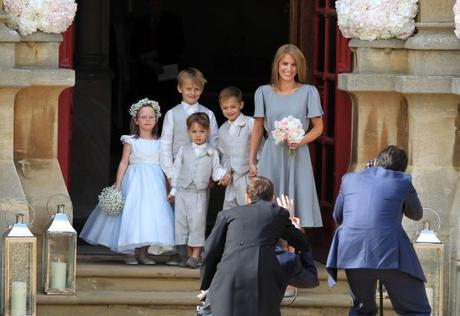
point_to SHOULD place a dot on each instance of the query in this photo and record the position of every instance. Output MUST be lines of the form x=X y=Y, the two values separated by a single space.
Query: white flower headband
x=134 y=109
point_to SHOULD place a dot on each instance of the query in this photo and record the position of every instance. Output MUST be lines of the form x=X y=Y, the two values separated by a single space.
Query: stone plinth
x=38 y=50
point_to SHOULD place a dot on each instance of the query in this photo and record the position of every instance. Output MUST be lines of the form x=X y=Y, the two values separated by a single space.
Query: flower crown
x=134 y=109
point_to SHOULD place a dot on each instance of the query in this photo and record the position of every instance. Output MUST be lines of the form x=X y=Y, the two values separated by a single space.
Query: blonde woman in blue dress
x=147 y=218
x=288 y=95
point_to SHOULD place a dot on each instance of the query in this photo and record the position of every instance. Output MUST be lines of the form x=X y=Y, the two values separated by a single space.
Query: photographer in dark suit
x=371 y=244
x=240 y=267
x=299 y=270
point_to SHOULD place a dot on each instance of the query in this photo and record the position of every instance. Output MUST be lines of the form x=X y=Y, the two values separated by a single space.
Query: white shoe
x=131 y=260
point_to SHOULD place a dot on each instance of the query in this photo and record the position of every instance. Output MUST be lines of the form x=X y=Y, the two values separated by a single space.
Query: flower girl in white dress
x=147 y=217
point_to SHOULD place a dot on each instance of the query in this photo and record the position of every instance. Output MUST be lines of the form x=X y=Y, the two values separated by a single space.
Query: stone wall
x=30 y=84
x=407 y=93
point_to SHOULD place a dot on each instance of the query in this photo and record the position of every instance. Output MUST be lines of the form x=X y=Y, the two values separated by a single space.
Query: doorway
x=130 y=49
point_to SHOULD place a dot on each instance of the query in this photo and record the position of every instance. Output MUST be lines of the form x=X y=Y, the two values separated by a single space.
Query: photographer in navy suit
x=371 y=244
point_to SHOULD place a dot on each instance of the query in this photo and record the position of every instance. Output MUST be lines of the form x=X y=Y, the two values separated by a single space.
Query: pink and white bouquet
x=288 y=130
x=376 y=19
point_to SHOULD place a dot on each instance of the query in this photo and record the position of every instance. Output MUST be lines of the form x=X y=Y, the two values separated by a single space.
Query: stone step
x=106 y=286
x=117 y=277
x=177 y=303
x=113 y=276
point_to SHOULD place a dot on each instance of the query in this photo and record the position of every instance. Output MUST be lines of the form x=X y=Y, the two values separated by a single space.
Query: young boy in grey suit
x=233 y=140
x=196 y=163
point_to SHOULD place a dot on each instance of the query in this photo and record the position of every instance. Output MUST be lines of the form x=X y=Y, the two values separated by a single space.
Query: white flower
x=50 y=16
x=111 y=201
x=210 y=152
x=145 y=102
x=29 y=20
x=15 y=7
x=59 y=15
x=376 y=19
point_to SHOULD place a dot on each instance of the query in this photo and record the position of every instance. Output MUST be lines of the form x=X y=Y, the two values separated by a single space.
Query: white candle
x=18 y=298
x=58 y=275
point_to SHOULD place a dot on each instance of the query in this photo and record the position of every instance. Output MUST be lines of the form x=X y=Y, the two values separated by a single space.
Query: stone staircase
x=106 y=286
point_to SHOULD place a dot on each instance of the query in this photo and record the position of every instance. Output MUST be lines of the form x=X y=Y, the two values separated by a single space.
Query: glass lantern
x=20 y=264
x=60 y=255
x=430 y=252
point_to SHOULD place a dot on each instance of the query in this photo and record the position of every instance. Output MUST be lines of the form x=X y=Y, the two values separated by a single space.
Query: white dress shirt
x=167 y=136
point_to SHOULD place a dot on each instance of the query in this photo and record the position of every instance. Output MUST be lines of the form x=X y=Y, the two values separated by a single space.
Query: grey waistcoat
x=180 y=127
x=236 y=147
x=195 y=169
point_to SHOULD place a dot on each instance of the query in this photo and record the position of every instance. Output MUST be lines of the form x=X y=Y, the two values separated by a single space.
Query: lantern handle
x=19 y=218
x=19 y=215
x=425 y=219
x=59 y=203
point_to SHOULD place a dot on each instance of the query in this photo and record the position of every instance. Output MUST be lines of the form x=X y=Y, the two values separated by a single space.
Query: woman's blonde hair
x=301 y=63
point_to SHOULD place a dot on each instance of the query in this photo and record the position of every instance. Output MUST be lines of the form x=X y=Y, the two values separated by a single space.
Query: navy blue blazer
x=299 y=269
x=369 y=208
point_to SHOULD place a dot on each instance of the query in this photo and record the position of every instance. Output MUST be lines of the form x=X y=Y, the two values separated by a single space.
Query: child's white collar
x=185 y=105
x=239 y=121
x=202 y=146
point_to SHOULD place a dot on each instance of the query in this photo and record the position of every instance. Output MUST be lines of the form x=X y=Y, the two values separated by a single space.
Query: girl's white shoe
x=145 y=260
x=129 y=259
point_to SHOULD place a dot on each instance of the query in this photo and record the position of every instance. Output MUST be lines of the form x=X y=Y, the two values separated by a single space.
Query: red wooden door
x=331 y=152
x=65 y=108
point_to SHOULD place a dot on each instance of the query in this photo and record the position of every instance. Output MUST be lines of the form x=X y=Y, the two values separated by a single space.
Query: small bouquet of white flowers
x=289 y=130
x=111 y=201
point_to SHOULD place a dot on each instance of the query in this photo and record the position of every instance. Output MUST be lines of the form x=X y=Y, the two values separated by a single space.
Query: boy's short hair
x=393 y=158
x=200 y=118
x=231 y=92
x=260 y=188
x=193 y=74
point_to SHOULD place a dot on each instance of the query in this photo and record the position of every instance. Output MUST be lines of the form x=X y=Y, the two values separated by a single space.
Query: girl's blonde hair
x=301 y=63
x=134 y=128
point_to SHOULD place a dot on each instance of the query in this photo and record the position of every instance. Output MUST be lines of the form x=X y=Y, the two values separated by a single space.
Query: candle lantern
x=20 y=264
x=60 y=255
x=430 y=251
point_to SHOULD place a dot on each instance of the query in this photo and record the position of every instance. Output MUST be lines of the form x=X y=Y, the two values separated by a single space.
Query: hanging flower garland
x=49 y=16
x=376 y=19
x=457 y=18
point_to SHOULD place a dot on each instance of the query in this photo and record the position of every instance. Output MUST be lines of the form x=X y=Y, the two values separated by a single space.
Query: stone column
x=12 y=196
x=407 y=93
x=35 y=122
x=379 y=110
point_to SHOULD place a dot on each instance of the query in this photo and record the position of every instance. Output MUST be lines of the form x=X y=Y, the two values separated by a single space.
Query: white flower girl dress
x=147 y=218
